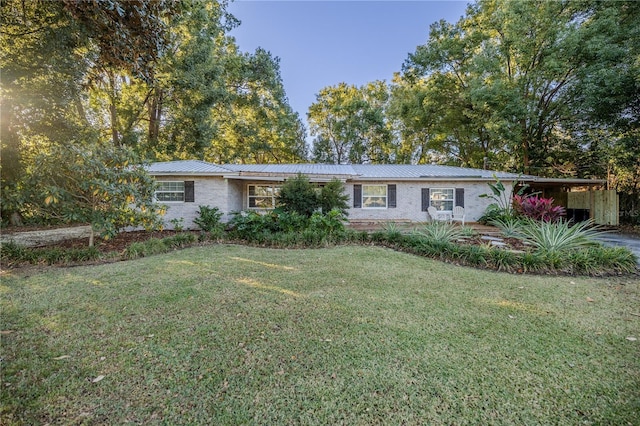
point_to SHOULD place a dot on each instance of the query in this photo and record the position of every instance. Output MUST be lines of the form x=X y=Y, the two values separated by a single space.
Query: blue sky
x=323 y=43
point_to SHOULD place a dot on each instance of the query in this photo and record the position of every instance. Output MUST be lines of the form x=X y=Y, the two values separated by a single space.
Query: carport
x=583 y=198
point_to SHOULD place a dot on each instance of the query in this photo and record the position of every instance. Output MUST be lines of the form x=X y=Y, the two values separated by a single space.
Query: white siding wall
x=409 y=201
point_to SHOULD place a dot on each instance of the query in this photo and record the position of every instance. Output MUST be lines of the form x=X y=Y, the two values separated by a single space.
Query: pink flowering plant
x=537 y=208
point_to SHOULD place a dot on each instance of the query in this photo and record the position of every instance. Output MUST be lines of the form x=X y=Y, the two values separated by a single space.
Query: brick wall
x=409 y=201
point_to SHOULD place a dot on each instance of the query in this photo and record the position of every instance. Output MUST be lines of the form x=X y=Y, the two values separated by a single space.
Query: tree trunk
x=155 y=115
x=525 y=148
x=113 y=111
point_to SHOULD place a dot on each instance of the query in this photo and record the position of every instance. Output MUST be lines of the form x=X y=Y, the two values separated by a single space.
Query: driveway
x=622 y=240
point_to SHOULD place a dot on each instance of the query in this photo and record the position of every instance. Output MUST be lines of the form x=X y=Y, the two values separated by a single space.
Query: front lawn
x=228 y=334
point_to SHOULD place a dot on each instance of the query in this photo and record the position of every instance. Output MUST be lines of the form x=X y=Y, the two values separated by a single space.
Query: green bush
x=209 y=219
x=602 y=260
x=493 y=213
x=314 y=237
x=178 y=224
x=298 y=195
x=179 y=240
x=12 y=251
x=284 y=221
x=158 y=246
x=333 y=196
x=246 y=224
x=503 y=260
x=331 y=224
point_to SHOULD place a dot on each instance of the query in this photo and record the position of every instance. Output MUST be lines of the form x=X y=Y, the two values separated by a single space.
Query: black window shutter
x=460 y=197
x=425 y=199
x=189 y=192
x=357 y=196
x=391 y=196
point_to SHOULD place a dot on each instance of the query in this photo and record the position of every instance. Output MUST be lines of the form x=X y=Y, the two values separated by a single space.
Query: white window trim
x=273 y=197
x=155 y=193
x=453 y=200
x=386 y=196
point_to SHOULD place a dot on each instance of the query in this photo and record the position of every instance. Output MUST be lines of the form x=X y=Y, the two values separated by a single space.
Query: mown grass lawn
x=350 y=335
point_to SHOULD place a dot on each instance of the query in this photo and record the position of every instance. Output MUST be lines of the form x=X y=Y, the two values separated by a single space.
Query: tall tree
x=350 y=124
x=511 y=67
x=256 y=125
x=47 y=52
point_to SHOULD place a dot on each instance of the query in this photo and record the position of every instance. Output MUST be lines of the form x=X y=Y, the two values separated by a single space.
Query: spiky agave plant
x=561 y=236
x=509 y=226
x=441 y=231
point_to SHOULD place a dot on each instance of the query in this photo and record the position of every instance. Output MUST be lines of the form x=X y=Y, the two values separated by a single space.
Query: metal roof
x=304 y=168
x=349 y=171
x=186 y=167
x=426 y=171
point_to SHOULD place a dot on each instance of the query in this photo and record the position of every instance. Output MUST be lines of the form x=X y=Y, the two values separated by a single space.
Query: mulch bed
x=117 y=244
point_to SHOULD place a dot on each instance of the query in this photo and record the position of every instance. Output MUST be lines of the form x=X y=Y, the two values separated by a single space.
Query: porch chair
x=458 y=214
x=434 y=214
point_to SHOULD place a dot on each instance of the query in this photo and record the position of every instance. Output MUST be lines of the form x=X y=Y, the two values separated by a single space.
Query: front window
x=442 y=199
x=263 y=196
x=170 y=191
x=374 y=196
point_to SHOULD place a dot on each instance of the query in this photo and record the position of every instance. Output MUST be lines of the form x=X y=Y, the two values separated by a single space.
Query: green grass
x=350 y=335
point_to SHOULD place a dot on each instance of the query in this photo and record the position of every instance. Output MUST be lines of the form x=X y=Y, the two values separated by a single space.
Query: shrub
x=475 y=255
x=468 y=232
x=492 y=213
x=179 y=240
x=284 y=221
x=355 y=236
x=209 y=219
x=503 y=260
x=298 y=195
x=247 y=224
x=178 y=224
x=12 y=251
x=537 y=208
x=332 y=196
x=158 y=246
x=331 y=224
x=314 y=237
x=602 y=260
x=531 y=262
x=502 y=198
